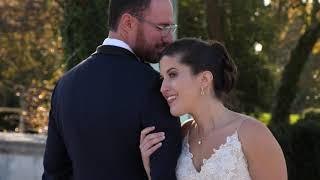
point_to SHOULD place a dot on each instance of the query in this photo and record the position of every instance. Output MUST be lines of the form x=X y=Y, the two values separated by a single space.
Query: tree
x=84 y=27
x=215 y=19
x=308 y=96
x=241 y=25
x=30 y=58
x=299 y=56
x=192 y=19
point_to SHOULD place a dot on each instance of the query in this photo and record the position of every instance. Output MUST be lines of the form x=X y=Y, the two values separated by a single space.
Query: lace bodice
x=226 y=163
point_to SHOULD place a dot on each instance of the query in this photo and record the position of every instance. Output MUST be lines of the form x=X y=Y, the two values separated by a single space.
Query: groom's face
x=150 y=40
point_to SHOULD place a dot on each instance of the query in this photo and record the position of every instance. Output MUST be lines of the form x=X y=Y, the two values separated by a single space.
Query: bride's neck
x=209 y=115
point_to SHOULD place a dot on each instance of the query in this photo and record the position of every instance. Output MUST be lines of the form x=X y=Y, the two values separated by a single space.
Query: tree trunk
x=291 y=74
x=214 y=11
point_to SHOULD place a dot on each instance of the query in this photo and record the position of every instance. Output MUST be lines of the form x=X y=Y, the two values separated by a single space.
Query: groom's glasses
x=164 y=29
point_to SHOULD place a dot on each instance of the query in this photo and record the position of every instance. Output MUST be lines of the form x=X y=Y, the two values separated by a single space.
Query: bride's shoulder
x=251 y=128
x=253 y=132
x=186 y=126
x=260 y=147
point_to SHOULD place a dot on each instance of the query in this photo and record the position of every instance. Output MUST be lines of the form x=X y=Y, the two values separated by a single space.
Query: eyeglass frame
x=164 y=29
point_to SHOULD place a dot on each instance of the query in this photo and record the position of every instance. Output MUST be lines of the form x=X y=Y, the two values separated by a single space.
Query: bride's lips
x=171 y=99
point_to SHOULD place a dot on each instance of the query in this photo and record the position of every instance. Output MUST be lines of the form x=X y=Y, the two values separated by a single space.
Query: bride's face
x=180 y=87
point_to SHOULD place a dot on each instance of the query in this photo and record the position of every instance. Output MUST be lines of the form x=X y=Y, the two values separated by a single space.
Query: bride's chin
x=175 y=113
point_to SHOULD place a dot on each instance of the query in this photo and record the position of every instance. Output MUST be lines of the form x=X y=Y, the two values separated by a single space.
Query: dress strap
x=237 y=129
x=241 y=123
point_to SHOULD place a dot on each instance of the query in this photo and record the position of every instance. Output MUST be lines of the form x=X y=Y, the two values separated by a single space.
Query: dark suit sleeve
x=163 y=162
x=57 y=164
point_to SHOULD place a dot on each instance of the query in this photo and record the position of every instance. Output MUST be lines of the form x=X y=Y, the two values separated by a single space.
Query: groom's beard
x=148 y=52
x=153 y=56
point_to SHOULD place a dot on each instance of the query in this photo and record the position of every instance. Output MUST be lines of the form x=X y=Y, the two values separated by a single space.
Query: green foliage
x=255 y=86
x=30 y=59
x=304 y=25
x=300 y=144
x=84 y=27
x=32 y=50
x=311 y=114
x=192 y=19
x=9 y=121
x=309 y=85
x=291 y=74
x=266 y=117
x=246 y=22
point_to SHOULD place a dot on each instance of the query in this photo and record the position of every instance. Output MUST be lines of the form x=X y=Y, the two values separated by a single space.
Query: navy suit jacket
x=98 y=110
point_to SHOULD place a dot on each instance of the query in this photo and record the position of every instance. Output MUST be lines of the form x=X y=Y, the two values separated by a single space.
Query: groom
x=99 y=107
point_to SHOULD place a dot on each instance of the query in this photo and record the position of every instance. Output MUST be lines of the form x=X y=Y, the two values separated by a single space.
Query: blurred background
x=275 y=44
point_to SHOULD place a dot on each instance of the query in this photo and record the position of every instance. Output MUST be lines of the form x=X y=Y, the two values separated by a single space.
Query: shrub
x=301 y=146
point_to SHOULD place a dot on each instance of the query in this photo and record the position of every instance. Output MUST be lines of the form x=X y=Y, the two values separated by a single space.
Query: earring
x=202 y=92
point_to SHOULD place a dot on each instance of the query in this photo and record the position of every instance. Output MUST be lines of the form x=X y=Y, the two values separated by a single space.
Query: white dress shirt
x=118 y=43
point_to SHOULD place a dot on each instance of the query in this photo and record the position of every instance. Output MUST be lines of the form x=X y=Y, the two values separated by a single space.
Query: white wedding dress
x=226 y=163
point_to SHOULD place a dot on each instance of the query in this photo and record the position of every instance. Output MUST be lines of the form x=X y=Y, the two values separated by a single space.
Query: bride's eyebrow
x=171 y=69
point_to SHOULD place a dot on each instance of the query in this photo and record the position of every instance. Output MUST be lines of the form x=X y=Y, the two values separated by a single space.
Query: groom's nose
x=168 y=38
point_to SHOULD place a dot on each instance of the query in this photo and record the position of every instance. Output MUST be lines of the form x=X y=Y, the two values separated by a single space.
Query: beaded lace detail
x=226 y=163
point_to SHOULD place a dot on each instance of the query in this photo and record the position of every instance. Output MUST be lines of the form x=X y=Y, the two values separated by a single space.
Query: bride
x=218 y=144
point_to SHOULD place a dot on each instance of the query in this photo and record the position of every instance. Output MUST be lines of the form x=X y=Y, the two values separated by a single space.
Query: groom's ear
x=127 y=22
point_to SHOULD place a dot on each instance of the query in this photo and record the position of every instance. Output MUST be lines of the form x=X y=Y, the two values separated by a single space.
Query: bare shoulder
x=185 y=127
x=253 y=131
x=261 y=150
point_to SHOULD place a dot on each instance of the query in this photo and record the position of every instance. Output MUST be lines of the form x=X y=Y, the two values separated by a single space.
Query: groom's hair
x=118 y=7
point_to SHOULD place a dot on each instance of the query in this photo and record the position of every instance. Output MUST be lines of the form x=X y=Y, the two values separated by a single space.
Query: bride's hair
x=206 y=56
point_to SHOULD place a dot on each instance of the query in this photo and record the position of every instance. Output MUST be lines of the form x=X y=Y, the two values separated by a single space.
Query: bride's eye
x=172 y=74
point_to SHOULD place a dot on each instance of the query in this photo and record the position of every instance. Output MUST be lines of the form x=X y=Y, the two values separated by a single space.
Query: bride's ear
x=206 y=78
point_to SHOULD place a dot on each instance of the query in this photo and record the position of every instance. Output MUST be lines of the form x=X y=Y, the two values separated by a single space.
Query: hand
x=149 y=143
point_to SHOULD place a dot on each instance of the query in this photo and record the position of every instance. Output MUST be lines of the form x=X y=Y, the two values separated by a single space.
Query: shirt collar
x=118 y=43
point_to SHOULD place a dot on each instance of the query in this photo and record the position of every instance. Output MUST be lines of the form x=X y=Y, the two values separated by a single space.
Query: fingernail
x=160 y=144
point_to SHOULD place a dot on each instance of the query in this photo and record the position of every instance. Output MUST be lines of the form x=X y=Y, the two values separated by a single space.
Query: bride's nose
x=164 y=87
